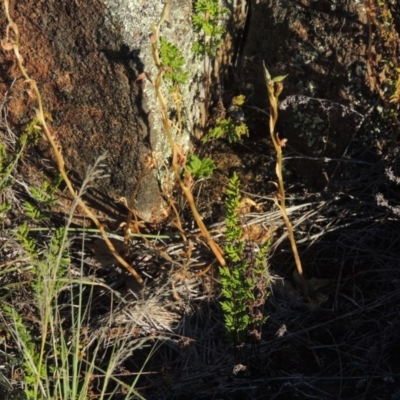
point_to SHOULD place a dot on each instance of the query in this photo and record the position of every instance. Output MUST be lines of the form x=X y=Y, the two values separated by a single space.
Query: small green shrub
x=173 y=61
x=206 y=18
x=244 y=279
x=9 y=158
x=43 y=199
x=200 y=168
x=229 y=128
x=233 y=126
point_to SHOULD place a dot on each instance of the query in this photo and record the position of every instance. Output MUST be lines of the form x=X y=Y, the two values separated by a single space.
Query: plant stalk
x=175 y=165
x=274 y=88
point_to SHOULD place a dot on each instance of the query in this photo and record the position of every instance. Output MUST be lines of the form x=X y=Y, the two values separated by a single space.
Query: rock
x=86 y=56
x=322 y=46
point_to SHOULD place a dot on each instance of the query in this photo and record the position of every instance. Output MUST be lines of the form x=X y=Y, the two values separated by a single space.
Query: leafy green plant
x=229 y=127
x=26 y=341
x=55 y=365
x=44 y=198
x=33 y=130
x=243 y=280
x=4 y=168
x=46 y=193
x=207 y=16
x=48 y=268
x=9 y=158
x=27 y=243
x=200 y=168
x=173 y=62
x=206 y=19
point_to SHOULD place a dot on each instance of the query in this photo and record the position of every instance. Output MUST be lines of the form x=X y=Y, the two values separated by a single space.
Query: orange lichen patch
x=20 y=102
x=247 y=205
x=64 y=83
x=300 y=30
x=257 y=233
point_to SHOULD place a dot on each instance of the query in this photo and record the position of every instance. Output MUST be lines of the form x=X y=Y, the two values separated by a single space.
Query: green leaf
x=206 y=21
x=279 y=78
x=232 y=130
x=4 y=207
x=27 y=243
x=226 y=307
x=239 y=100
x=229 y=322
x=226 y=293
x=32 y=211
x=171 y=57
x=200 y=168
x=267 y=75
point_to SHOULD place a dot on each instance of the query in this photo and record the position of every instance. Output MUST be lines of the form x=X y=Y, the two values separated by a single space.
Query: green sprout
x=231 y=127
x=200 y=168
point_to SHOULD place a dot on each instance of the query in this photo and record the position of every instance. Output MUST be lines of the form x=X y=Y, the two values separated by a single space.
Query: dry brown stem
x=274 y=89
x=175 y=164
